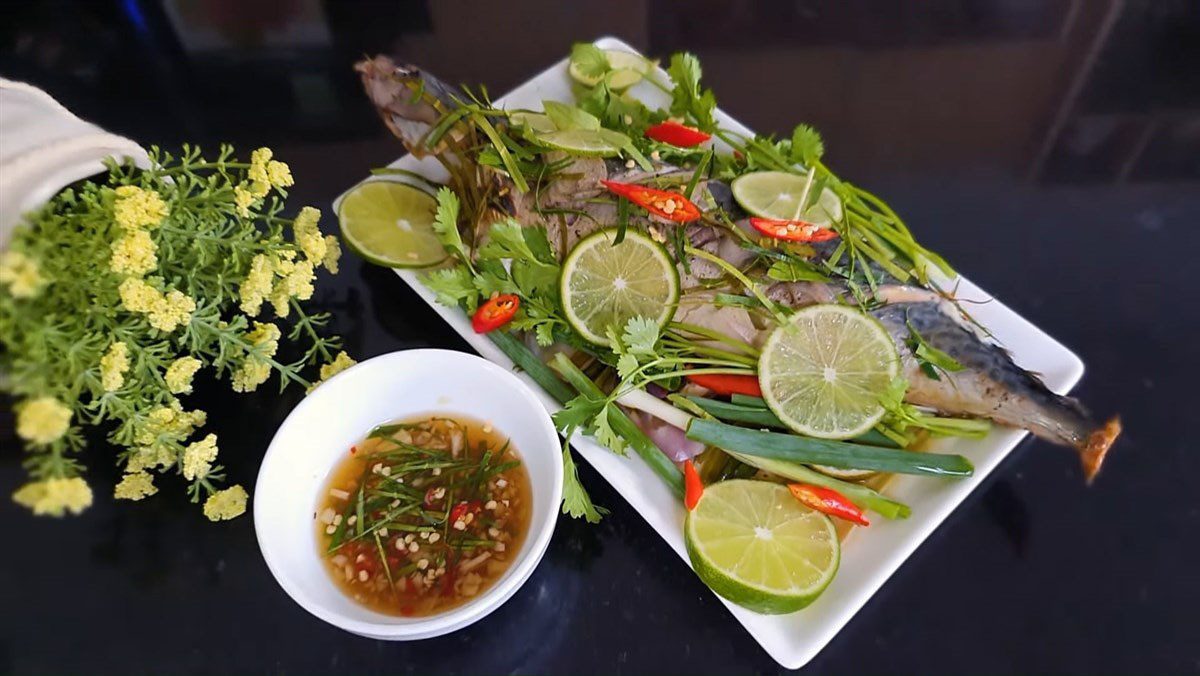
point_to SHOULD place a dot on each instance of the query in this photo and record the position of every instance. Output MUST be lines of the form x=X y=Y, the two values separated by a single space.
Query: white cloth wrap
x=44 y=148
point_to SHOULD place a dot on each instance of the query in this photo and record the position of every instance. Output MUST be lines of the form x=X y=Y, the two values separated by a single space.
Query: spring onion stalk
x=535 y=368
x=764 y=417
x=824 y=452
x=857 y=493
x=648 y=403
x=659 y=463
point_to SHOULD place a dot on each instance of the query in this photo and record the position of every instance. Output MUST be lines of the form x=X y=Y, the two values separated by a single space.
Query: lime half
x=756 y=545
x=824 y=371
x=606 y=285
x=592 y=142
x=776 y=194
x=391 y=224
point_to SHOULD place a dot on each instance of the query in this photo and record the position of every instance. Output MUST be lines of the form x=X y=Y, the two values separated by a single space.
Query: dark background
x=1050 y=149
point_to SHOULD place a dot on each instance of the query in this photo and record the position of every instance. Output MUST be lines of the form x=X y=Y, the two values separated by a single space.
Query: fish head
x=409 y=100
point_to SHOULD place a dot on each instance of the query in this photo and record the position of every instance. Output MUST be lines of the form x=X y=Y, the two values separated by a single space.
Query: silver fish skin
x=991 y=385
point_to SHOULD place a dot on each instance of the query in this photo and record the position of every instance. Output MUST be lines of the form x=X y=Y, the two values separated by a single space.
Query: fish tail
x=1094 y=449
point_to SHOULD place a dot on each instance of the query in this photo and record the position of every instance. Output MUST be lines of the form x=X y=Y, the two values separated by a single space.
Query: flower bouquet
x=119 y=290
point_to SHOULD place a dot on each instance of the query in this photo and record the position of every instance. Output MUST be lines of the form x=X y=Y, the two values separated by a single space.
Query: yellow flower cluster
x=257 y=285
x=265 y=173
x=198 y=457
x=179 y=374
x=135 y=486
x=20 y=274
x=55 y=497
x=340 y=363
x=165 y=312
x=134 y=254
x=296 y=281
x=137 y=208
x=243 y=199
x=226 y=504
x=43 y=420
x=308 y=235
x=160 y=433
x=256 y=368
x=113 y=366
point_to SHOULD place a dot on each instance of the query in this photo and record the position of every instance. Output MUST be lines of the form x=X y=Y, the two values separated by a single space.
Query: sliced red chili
x=496 y=312
x=727 y=384
x=669 y=205
x=693 y=487
x=793 y=231
x=677 y=134
x=460 y=510
x=828 y=501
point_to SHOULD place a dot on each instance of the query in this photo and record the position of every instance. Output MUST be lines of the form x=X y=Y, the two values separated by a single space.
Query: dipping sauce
x=423 y=515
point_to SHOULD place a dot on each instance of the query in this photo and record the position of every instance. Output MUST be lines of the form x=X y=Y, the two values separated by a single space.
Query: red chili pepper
x=496 y=312
x=677 y=134
x=460 y=510
x=430 y=497
x=669 y=205
x=693 y=487
x=726 y=384
x=828 y=501
x=792 y=231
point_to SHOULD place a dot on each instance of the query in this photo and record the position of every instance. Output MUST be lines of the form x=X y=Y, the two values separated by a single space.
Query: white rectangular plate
x=869 y=556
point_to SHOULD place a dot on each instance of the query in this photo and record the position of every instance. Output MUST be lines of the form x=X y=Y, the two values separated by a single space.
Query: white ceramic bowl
x=338 y=414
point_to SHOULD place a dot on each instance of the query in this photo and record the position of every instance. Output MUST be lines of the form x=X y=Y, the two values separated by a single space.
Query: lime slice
x=391 y=224
x=823 y=372
x=535 y=122
x=586 y=79
x=606 y=285
x=756 y=545
x=622 y=78
x=775 y=194
x=622 y=60
x=580 y=142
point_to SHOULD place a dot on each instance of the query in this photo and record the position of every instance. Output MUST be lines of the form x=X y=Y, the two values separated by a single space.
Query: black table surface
x=1051 y=150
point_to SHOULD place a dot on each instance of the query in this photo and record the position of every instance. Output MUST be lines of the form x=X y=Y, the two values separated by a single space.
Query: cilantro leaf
x=445 y=224
x=626 y=365
x=453 y=287
x=576 y=413
x=807 y=146
x=641 y=335
x=569 y=117
x=506 y=240
x=492 y=278
x=687 y=98
x=575 y=500
x=589 y=60
x=603 y=433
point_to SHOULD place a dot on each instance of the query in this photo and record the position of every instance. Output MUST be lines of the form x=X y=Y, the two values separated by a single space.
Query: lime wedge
x=606 y=285
x=592 y=142
x=776 y=194
x=824 y=371
x=756 y=545
x=391 y=224
x=535 y=122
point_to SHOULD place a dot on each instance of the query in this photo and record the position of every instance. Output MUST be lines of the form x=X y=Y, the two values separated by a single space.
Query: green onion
x=535 y=368
x=824 y=452
x=764 y=417
x=857 y=493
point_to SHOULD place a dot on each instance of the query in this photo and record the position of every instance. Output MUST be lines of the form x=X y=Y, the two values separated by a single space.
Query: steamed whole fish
x=990 y=384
